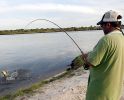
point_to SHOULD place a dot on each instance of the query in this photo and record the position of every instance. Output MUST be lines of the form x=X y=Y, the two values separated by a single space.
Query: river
x=42 y=54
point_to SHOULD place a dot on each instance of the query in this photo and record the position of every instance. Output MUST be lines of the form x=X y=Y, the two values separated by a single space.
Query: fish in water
x=20 y=74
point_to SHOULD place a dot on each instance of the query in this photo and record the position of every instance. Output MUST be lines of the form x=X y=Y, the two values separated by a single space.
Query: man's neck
x=114 y=29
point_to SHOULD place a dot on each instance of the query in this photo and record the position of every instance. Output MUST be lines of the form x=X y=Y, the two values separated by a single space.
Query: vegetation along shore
x=49 y=30
x=46 y=30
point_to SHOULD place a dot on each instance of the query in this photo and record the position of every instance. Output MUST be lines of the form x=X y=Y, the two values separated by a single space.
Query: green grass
x=32 y=89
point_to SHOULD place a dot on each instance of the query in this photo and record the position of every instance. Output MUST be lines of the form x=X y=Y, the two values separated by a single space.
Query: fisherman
x=107 y=60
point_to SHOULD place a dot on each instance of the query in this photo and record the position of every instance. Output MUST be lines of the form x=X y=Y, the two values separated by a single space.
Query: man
x=107 y=60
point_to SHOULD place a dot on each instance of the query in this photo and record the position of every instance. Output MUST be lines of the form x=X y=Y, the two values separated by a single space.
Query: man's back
x=106 y=76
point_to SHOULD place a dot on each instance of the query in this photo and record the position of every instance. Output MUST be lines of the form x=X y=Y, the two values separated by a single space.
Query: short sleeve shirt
x=106 y=76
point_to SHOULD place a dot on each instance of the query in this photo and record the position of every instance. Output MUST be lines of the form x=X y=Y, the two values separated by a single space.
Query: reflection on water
x=44 y=54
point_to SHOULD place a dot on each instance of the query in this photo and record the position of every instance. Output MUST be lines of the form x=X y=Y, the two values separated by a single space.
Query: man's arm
x=95 y=57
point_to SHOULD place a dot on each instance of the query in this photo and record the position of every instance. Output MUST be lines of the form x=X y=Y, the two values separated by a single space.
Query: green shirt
x=106 y=77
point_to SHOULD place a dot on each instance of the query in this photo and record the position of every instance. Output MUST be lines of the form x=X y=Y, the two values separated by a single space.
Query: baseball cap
x=110 y=16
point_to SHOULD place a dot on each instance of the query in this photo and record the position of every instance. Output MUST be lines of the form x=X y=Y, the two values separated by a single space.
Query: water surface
x=43 y=54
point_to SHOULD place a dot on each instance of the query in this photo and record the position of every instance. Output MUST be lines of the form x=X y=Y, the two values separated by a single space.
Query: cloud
x=3 y=6
x=12 y=23
x=56 y=7
x=47 y=7
x=3 y=3
x=71 y=13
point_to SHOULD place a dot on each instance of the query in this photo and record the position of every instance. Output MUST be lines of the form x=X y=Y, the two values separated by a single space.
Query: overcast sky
x=15 y=14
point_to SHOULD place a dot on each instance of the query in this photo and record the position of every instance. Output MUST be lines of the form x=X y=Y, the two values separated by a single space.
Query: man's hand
x=87 y=64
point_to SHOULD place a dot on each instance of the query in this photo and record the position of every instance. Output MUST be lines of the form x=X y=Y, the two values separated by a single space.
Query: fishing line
x=83 y=55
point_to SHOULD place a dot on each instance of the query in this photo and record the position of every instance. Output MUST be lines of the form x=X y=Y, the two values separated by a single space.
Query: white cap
x=110 y=16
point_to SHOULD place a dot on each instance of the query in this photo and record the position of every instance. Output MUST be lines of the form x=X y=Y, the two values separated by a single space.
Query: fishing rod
x=87 y=64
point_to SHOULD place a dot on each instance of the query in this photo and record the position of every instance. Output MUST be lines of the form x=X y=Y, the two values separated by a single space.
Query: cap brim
x=100 y=22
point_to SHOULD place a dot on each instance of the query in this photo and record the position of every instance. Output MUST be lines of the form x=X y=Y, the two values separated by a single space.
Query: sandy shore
x=67 y=88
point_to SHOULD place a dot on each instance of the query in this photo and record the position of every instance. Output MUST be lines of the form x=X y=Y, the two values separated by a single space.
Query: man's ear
x=108 y=25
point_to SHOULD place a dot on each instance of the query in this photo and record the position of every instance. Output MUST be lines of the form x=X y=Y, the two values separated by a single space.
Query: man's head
x=110 y=21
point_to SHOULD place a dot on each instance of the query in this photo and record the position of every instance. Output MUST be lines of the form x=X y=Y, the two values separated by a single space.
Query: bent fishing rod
x=86 y=63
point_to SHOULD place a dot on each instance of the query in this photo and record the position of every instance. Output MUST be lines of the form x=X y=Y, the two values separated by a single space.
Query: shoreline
x=35 y=87
x=48 y=30
x=17 y=85
x=71 y=84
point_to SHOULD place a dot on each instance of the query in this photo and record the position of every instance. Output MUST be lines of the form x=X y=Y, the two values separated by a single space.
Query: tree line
x=48 y=30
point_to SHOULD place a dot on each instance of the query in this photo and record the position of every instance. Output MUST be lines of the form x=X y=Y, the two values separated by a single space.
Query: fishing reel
x=86 y=66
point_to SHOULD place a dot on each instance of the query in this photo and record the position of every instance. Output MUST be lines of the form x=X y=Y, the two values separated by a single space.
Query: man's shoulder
x=115 y=38
x=113 y=35
x=108 y=39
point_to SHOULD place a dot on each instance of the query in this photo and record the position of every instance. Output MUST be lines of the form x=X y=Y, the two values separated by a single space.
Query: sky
x=16 y=14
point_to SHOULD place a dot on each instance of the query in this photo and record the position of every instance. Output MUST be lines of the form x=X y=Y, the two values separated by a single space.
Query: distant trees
x=47 y=30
